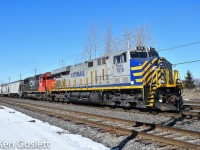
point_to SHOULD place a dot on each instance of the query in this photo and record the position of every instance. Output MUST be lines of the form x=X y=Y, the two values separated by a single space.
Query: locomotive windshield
x=142 y=54
x=138 y=54
x=153 y=54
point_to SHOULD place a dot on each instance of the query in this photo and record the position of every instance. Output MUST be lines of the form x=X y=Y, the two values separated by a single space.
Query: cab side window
x=123 y=57
x=90 y=64
x=99 y=61
x=117 y=59
x=120 y=58
x=31 y=83
x=103 y=60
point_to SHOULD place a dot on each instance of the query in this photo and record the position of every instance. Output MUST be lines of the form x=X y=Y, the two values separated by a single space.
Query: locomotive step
x=151 y=101
x=150 y=105
x=151 y=97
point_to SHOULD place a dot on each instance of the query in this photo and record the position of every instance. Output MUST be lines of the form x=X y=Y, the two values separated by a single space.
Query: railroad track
x=153 y=133
x=197 y=102
x=187 y=114
x=192 y=107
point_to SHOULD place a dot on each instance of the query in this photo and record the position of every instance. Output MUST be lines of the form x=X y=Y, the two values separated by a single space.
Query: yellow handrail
x=175 y=76
x=156 y=77
x=75 y=84
x=91 y=78
x=95 y=76
x=69 y=84
x=87 y=83
x=81 y=83
x=102 y=74
x=64 y=84
x=167 y=76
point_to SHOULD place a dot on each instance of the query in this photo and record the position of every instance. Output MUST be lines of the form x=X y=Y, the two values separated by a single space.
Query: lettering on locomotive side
x=120 y=68
x=77 y=74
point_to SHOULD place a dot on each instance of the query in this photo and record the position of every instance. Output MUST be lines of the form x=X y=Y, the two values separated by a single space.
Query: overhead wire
x=187 y=62
x=175 y=47
x=179 y=46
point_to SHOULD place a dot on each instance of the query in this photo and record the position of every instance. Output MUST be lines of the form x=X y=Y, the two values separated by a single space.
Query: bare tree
x=91 y=46
x=142 y=36
x=112 y=44
x=138 y=37
x=93 y=32
x=87 y=52
x=108 y=41
x=118 y=45
x=197 y=83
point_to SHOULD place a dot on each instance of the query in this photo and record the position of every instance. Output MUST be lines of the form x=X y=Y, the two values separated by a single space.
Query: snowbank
x=19 y=131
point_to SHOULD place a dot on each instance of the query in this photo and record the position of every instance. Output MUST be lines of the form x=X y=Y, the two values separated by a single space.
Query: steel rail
x=109 y=128
x=183 y=114
x=124 y=121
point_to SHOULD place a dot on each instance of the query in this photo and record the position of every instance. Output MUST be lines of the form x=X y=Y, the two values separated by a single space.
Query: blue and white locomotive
x=131 y=78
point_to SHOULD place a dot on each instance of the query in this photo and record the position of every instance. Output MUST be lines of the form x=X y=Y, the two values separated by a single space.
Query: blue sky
x=40 y=33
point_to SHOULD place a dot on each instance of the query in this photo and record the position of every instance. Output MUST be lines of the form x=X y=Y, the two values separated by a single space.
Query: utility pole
x=35 y=71
x=20 y=77
x=62 y=63
x=128 y=36
x=9 y=79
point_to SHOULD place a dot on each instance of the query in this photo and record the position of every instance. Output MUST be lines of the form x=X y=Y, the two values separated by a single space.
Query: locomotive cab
x=161 y=85
x=46 y=82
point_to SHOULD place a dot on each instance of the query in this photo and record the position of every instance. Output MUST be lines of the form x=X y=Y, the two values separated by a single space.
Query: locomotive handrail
x=156 y=80
x=167 y=82
x=167 y=76
x=176 y=74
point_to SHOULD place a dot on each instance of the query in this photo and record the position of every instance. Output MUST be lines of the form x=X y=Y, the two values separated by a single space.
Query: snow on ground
x=19 y=131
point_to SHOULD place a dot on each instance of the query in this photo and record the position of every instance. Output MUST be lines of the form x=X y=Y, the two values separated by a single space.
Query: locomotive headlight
x=178 y=81
x=154 y=67
x=161 y=62
x=162 y=81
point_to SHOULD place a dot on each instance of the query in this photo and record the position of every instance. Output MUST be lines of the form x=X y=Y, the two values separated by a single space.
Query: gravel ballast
x=107 y=139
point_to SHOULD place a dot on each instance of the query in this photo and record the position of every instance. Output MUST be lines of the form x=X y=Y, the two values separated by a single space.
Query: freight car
x=12 y=89
x=4 y=90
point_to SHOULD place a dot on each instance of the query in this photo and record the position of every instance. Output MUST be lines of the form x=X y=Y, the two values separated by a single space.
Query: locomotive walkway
x=145 y=132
